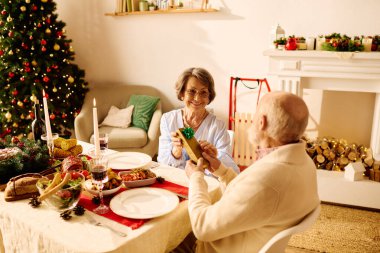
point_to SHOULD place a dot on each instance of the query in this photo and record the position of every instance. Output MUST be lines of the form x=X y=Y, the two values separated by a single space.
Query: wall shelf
x=170 y=11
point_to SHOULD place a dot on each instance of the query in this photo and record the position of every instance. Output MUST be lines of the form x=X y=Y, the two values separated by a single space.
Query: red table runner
x=86 y=202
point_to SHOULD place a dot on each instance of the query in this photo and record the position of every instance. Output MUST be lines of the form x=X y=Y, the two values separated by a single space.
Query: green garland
x=33 y=158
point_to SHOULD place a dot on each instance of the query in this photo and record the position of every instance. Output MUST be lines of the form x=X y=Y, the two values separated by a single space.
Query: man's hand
x=214 y=162
x=177 y=145
x=209 y=148
x=191 y=167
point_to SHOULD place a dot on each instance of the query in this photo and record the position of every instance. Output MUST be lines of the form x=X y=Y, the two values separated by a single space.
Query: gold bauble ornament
x=9 y=19
x=27 y=1
x=23 y=8
x=22 y=116
x=33 y=98
x=15 y=124
x=71 y=49
x=10 y=52
x=56 y=47
x=44 y=1
x=34 y=63
x=48 y=31
x=55 y=89
x=70 y=79
x=8 y=115
x=20 y=103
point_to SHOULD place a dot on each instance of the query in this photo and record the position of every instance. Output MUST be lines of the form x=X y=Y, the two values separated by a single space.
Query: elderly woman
x=195 y=87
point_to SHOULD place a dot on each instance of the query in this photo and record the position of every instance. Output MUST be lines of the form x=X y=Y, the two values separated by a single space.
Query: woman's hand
x=177 y=145
x=209 y=148
x=191 y=167
x=214 y=162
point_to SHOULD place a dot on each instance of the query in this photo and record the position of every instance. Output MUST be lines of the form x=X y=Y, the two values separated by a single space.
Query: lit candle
x=96 y=130
x=49 y=135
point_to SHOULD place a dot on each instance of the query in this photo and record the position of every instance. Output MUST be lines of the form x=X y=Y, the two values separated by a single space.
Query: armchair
x=120 y=139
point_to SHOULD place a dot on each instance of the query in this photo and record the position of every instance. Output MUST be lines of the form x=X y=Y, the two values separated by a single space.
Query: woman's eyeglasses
x=192 y=93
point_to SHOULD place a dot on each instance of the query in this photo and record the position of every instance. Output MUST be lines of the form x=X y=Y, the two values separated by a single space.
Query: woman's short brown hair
x=199 y=73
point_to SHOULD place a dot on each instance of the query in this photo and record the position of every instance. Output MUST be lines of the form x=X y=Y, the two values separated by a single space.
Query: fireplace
x=332 y=71
x=297 y=71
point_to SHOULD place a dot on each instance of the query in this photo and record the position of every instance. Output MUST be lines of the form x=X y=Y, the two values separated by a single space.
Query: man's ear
x=263 y=122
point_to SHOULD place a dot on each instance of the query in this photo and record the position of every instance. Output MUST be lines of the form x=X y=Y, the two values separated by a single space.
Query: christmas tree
x=35 y=55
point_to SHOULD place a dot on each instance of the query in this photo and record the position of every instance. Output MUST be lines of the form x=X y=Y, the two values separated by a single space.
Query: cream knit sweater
x=274 y=193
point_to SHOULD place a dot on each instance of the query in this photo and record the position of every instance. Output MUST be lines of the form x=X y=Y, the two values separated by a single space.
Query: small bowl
x=66 y=197
x=136 y=183
x=88 y=185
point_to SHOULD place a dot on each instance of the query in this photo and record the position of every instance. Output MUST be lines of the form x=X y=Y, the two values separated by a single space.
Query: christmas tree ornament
x=4 y=12
x=43 y=42
x=34 y=8
x=27 y=1
x=27 y=69
x=22 y=116
x=56 y=47
x=8 y=115
x=15 y=92
x=10 y=34
x=45 y=79
x=48 y=69
x=19 y=103
x=44 y=1
x=31 y=37
x=48 y=31
x=43 y=49
x=14 y=101
x=52 y=116
x=71 y=49
x=11 y=75
x=55 y=89
x=70 y=79
x=23 y=8
x=10 y=52
x=34 y=63
x=15 y=125
x=22 y=79
x=9 y=19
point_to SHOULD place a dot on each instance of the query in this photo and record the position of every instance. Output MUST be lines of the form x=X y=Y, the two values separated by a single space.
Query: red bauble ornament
x=22 y=79
x=27 y=64
x=43 y=49
x=31 y=37
x=14 y=101
x=4 y=12
x=31 y=114
x=46 y=96
x=291 y=44
x=27 y=69
x=52 y=116
x=36 y=80
x=1 y=52
x=48 y=20
x=11 y=74
x=15 y=140
x=10 y=34
x=25 y=100
x=24 y=46
x=64 y=115
x=54 y=66
x=46 y=79
x=59 y=33
x=43 y=42
x=34 y=8
x=48 y=69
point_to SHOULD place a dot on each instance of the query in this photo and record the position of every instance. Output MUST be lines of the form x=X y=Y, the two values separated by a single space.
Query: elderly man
x=274 y=193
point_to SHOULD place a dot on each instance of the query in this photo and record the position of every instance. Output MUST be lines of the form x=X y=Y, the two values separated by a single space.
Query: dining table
x=27 y=229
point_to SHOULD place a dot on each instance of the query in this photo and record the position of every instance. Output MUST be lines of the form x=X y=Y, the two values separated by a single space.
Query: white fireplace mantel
x=343 y=71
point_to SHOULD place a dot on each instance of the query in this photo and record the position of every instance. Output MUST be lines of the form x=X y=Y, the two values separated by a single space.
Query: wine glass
x=98 y=168
x=103 y=142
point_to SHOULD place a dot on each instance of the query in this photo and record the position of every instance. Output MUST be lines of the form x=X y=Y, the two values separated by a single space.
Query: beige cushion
x=131 y=137
x=118 y=117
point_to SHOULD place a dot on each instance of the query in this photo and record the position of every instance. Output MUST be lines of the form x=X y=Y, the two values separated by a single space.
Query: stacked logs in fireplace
x=335 y=154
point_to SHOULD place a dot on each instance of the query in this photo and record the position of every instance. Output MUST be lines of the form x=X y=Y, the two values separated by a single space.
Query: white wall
x=155 y=49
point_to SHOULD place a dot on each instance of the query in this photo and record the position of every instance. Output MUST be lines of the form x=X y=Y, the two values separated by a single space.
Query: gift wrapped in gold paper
x=192 y=146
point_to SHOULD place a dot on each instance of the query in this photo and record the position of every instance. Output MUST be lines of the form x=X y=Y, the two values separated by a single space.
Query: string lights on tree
x=35 y=55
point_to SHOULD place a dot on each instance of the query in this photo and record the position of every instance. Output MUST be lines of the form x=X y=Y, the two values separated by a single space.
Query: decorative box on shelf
x=354 y=171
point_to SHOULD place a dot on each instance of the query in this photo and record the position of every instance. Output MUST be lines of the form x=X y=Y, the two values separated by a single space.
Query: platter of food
x=144 y=203
x=113 y=184
x=137 y=177
x=128 y=160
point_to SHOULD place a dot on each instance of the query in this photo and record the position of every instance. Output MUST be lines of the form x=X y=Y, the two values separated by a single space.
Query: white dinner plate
x=144 y=203
x=128 y=160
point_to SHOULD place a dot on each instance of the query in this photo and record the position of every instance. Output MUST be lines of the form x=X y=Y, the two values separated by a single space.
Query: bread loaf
x=21 y=187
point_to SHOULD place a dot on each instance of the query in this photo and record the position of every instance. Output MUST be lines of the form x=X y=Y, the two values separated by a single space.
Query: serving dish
x=130 y=181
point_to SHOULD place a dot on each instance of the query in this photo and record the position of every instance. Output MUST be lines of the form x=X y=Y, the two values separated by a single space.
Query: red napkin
x=86 y=202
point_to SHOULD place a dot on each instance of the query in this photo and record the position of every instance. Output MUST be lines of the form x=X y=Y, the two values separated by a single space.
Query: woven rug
x=341 y=229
